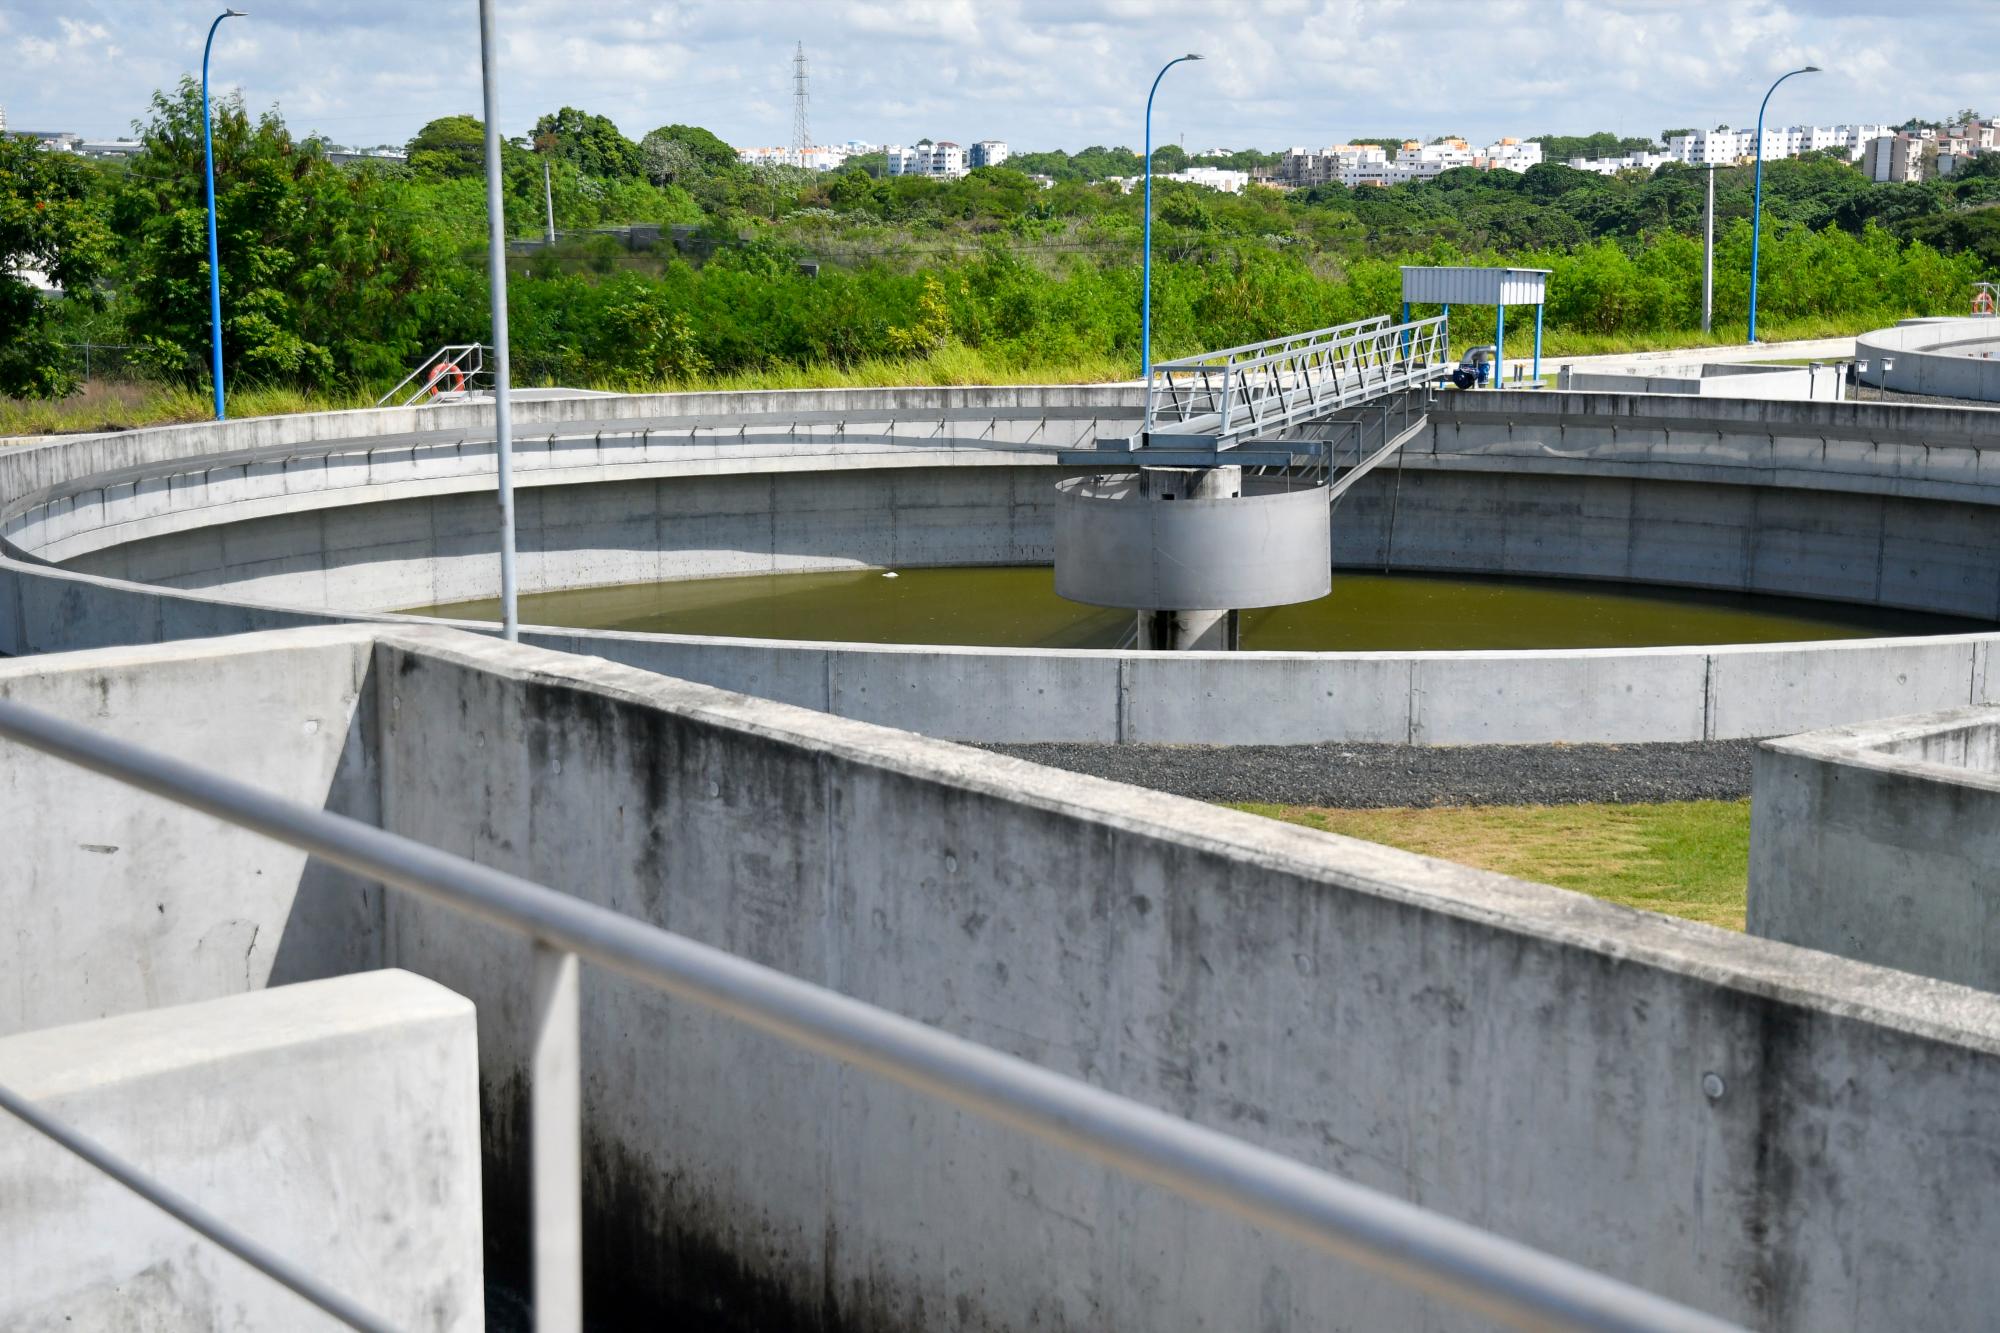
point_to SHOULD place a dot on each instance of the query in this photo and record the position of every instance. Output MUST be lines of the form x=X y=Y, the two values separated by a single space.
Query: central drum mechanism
x=1235 y=469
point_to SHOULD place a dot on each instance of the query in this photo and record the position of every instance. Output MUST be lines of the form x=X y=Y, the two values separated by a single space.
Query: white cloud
x=1037 y=72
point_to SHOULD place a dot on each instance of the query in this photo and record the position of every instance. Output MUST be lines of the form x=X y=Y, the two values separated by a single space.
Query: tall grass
x=110 y=406
x=106 y=406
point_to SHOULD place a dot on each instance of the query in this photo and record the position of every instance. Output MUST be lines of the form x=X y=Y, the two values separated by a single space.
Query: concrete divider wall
x=1878 y=841
x=335 y=1121
x=1526 y=1059
x=116 y=903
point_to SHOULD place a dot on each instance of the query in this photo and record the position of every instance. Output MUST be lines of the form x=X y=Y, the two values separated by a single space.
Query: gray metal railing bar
x=192 y=1215
x=1491 y=1275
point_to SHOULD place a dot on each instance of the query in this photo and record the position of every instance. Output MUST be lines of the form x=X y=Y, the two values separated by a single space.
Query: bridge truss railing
x=1256 y=391
x=1496 y=1278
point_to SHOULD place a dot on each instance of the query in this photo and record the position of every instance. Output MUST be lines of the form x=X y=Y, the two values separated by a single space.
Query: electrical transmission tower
x=802 y=139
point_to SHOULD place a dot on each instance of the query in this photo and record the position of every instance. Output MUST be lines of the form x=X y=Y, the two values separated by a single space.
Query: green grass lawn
x=1685 y=858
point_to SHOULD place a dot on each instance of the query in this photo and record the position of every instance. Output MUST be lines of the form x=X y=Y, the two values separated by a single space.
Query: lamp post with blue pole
x=1757 y=205
x=1146 y=299
x=208 y=165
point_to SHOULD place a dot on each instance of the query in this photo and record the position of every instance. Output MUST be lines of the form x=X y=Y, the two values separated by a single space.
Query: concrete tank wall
x=1879 y=842
x=1950 y=358
x=1880 y=503
x=1521 y=1057
x=336 y=1122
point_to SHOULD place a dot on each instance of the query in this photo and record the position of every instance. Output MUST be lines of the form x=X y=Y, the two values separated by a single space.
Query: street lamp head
x=1190 y=56
x=234 y=14
x=1810 y=69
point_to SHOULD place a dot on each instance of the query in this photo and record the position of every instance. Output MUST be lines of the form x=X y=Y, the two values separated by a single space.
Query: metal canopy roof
x=1461 y=285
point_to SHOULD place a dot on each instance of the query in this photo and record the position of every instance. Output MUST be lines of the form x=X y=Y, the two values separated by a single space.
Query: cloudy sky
x=1038 y=73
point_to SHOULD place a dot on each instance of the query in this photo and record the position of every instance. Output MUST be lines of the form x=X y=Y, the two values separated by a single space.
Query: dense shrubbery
x=341 y=276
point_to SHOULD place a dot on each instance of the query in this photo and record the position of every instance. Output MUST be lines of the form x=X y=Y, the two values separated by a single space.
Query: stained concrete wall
x=117 y=903
x=1880 y=842
x=1515 y=1055
x=334 y=1121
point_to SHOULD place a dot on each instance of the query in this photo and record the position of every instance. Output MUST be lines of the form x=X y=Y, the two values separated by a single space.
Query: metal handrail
x=1441 y=1256
x=1229 y=395
x=448 y=354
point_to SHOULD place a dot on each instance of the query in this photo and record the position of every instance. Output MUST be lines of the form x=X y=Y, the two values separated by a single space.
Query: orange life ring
x=1982 y=303
x=443 y=369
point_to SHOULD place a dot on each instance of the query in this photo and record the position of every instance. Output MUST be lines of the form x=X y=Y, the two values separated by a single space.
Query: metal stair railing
x=1257 y=390
x=460 y=368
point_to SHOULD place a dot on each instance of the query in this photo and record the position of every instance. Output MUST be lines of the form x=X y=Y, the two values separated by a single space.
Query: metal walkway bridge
x=1259 y=404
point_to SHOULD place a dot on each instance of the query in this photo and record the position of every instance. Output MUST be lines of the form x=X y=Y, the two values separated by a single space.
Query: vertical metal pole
x=1708 y=257
x=1538 y=344
x=548 y=201
x=214 y=264
x=1146 y=263
x=1499 y=341
x=496 y=262
x=1757 y=201
x=1146 y=269
x=555 y=1132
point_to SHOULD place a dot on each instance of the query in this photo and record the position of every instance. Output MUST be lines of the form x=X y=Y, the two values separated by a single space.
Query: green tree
x=708 y=150
x=447 y=147
x=46 y=224
x=327 y=274
x=592 y=144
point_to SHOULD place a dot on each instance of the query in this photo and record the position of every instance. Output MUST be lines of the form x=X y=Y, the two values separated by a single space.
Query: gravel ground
x=1355 y=776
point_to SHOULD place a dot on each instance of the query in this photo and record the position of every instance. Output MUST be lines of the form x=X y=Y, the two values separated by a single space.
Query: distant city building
x=987 y=153
x=1611 y=166
x=114 y=148
x=818 y=158
x=1894 y=157
x=1721 y=148
x=1355 y=165
x=943 y=160
x=1212 y=178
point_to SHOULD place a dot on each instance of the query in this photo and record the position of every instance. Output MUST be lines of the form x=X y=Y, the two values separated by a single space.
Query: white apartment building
x=943 y=160
x=1214 y=178
x=1721 y=148
x=1894 y=157
x=987 y=153
x=813 y=159
x=1368 y=164
x=1611 y=166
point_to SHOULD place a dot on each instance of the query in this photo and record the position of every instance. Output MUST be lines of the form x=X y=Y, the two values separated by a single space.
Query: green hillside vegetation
x=336 y=279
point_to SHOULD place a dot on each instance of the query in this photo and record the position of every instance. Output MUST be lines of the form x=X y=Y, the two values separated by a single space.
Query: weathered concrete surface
x=116 y=902
x=1711 y=380
x=335 y=1121
x=1881 y=842
x=1525 y=1058
x=1948 y=358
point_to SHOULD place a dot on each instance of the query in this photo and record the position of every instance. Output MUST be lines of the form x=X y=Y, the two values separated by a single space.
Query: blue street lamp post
x=1146 y=299
x=208 y=166
x=1757 y=206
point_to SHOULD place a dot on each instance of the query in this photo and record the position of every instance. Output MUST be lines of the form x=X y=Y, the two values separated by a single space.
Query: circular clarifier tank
x=1017 y=607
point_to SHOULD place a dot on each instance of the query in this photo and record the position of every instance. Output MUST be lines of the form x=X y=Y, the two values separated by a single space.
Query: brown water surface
x=1017 y=606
